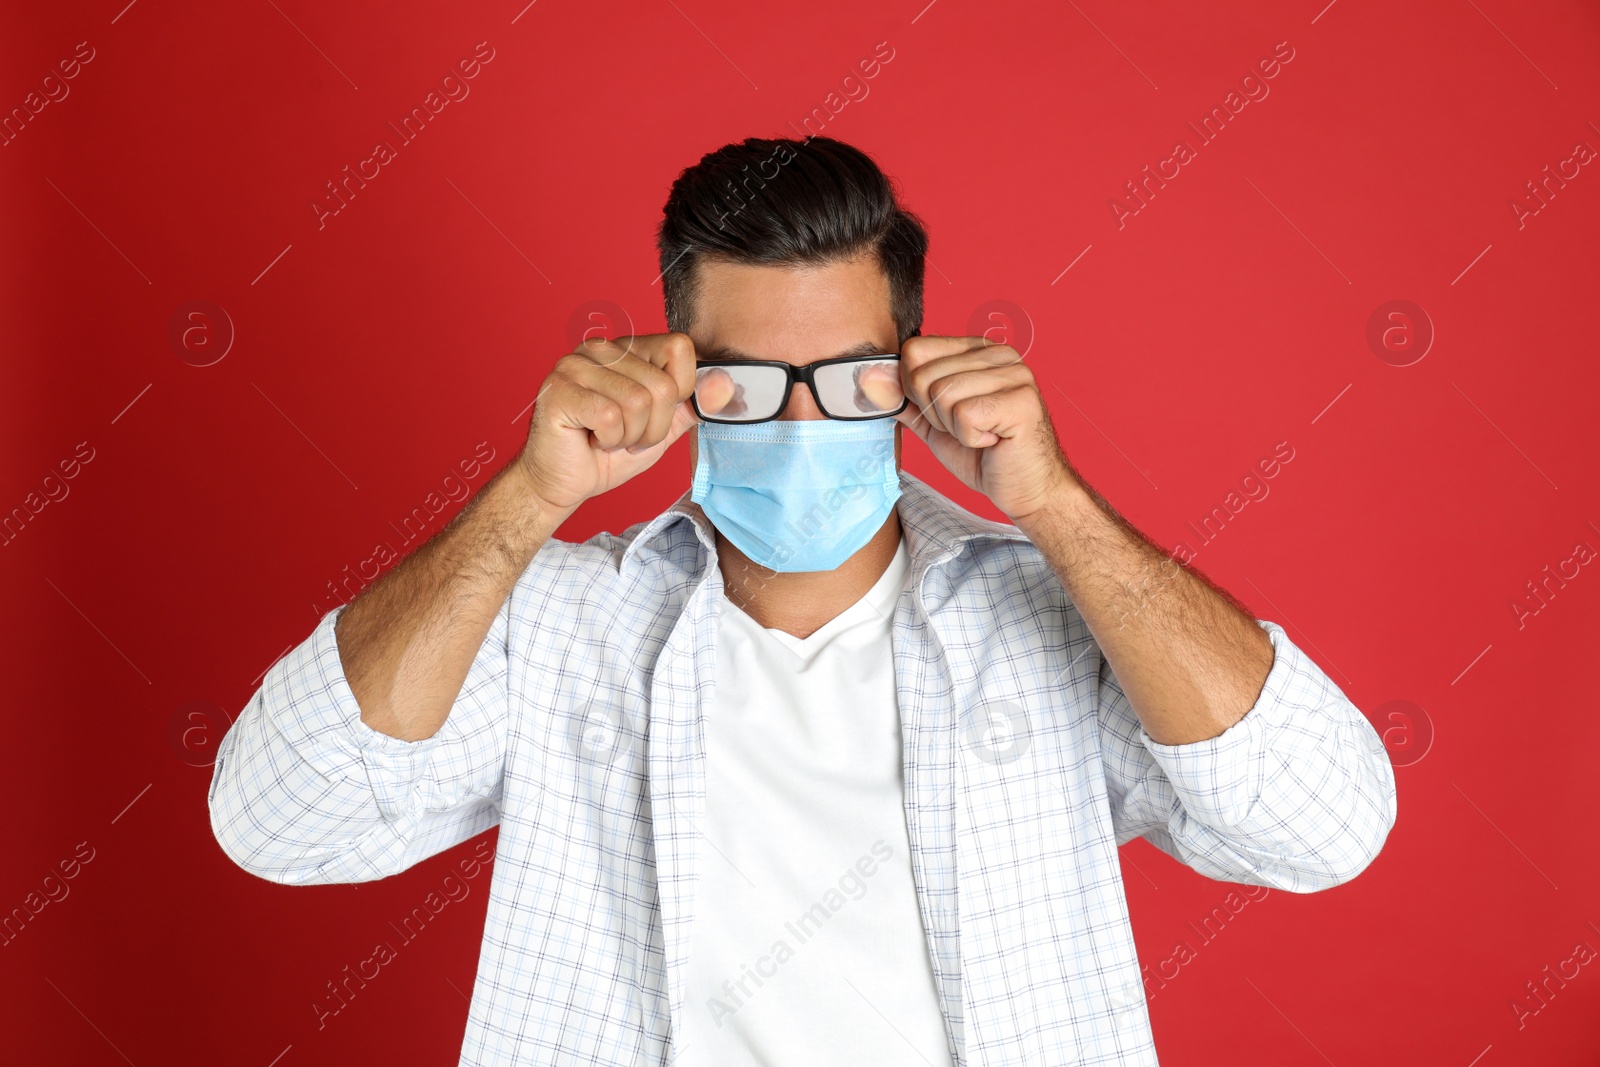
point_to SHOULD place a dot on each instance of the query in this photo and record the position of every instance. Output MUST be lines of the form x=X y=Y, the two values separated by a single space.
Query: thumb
x=912 y=418
x=683 y=417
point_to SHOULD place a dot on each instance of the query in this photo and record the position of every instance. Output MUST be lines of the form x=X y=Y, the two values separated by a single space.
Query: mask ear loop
x=891 y=476
x=702 y=472
x=891 y=472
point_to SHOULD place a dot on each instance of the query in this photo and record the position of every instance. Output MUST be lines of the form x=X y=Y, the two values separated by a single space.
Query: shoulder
x=1008 y=578
x=608 y=570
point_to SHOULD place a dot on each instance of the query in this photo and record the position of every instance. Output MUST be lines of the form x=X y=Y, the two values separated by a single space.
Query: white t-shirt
x=807 y=945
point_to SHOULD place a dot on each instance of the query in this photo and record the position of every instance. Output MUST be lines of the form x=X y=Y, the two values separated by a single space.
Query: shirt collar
x=935 y=527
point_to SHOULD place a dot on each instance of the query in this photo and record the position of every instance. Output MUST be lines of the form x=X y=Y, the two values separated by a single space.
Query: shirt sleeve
x=1297 y=795
x=304 y=792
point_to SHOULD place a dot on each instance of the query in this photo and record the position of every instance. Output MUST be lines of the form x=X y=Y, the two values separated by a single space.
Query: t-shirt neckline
x=878 y=602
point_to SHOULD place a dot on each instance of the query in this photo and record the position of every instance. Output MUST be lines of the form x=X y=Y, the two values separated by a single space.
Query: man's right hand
x=607 y=412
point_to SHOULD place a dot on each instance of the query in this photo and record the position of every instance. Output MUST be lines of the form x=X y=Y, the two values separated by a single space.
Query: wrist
x=524 y=509
x=1054 y=507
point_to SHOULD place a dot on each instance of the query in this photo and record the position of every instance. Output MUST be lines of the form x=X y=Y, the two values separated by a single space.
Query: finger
x=632 y=398
x=582 y=408
x=912 y=418
x=971 y=419
x=663 y=397
x=672 y=352
x=918 y=375
x=919 y=380
x=983 y=419
x=683 y=418
x=924 y=422
x=953 y=389
x=941 y=443
x=930 y=383
x=919 y=350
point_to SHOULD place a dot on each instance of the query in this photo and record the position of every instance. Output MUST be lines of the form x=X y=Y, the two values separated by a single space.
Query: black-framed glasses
x=850 y=388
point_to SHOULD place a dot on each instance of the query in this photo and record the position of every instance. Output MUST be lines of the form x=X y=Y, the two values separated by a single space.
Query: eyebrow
x=865 y=348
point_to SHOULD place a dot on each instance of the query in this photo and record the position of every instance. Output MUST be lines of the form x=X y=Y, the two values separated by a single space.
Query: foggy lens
x=860 y=389
x=737 y=393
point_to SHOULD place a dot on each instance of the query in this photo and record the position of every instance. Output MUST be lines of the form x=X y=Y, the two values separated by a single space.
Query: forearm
x=407 y=641
x=1191 y=661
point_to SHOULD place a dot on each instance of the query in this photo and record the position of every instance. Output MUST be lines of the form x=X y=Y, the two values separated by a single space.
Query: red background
x=374 y=354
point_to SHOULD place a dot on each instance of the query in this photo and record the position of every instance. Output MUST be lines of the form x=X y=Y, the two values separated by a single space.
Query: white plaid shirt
x=579 y=731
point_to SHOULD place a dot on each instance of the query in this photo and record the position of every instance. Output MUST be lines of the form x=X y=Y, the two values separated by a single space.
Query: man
x=815 y=766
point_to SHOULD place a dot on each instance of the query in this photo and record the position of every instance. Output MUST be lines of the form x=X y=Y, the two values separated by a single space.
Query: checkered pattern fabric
x=578 y=732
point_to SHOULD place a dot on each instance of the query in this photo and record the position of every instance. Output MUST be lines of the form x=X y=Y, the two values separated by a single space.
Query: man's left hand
x=978 y=408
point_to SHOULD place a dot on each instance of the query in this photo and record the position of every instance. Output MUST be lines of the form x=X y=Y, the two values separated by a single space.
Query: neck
x=802 y=602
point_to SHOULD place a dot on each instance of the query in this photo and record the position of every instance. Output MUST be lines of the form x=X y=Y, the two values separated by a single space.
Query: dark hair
x=771 y=202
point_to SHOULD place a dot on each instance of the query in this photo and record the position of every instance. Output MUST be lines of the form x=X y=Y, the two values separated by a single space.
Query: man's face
x=795 y=315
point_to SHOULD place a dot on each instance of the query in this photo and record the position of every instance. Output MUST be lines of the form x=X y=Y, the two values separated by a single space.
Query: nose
x=802 y=404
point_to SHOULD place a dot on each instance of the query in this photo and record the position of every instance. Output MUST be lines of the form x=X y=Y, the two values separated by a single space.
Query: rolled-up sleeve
x=1297 y=795
x=304 y=792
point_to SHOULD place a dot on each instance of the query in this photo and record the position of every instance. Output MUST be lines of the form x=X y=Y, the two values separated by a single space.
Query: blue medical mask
x=794 y=495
